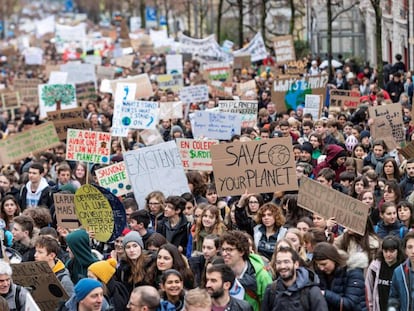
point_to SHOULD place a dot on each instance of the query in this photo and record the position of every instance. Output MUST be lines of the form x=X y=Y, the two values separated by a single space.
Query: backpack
x=304 y=296
x=17 y=298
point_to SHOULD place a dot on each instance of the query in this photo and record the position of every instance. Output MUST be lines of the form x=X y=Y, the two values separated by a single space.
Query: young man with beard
x=219 y=280
x=296 y=288
x=407 y=183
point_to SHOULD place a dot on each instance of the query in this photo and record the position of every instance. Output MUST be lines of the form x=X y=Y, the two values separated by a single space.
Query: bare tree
x=376 y=4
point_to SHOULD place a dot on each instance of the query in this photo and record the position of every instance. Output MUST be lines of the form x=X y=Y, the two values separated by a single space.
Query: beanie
x=84 y=287
x=307 y=146
x=342 y=154
x=175 y=129
x=133 y=236
x=104 y=269
x=68 y=188
x=364 y=134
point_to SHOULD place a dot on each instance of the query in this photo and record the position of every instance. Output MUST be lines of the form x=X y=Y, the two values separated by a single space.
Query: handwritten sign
x=343 y=99
x=94 y=212
x=174 y=63
x=195 y=154
x=124 y=91
x=221 y=89
x=114 y=178
x=86 y=92
x=20 y=84
x=173 y=82
x=64 y=119
x=171 y=110
x=88 y=146
x=242 y=61
x=65 y=210
x=18 y=146
x=194 y=94
x=10 y=100
x=142 y=82
x=46 y=289
x=157 y=167
x=313 y=105
x=29 y=95
x=284 y=49
x=151 y=137
x=137 y=114
x=217 y=72
x=388 y=124
x=247 y=109
x=215 y=125
x=327 y=202
x=256 y=166
x=243 y=88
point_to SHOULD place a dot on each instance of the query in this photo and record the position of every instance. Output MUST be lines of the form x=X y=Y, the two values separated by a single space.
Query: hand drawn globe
x=279 y=155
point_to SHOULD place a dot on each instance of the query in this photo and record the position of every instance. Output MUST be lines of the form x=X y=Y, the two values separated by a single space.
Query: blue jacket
x=397 y=229
x=347 y=285
x=399 y=292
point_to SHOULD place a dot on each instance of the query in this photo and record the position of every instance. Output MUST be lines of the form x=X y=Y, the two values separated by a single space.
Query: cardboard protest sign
x=215 y=125
x=54 y=97
x=290 y=92
x=64 y=119
x=256 y=166
x=124 y=61
x=243 y=88
x=114 y=178
x=103 y=72
x=343 y=100
x=388 y=124
x=10 y=100
x=86 y=92
x=408 y=150
x=18 y=146
x=94 y=212
x=173 y=81
x=151 y=137
x=142 y=82
x=171 y=110
x=123 y=92
x=247 y=109
x=295 y=68
x=157 y=167
x=31 y=305
x=20 y=84
x=194 y=94
x=88 y=146
x=217 y=72
x=221 y=89
x=174 y=63
x=242 y=61
x=29 y=95
x=313 y=105
x=46 y=289
x=195 y=154
x=138 y=114
x=284 y=49
x=327 y=202
x=65 y=210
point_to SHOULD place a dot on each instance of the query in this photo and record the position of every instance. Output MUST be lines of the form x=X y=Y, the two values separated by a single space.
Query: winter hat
x=364 y=134
x=68 y=188
x=341 y=154
x=104 y=269
x=307 y=146
x=84 y=287
x=176 y=129
x=133 y=236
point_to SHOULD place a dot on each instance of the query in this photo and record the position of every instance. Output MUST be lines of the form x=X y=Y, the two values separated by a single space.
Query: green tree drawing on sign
x=58 y=94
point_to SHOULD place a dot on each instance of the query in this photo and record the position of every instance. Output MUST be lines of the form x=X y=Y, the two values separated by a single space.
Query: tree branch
x=344 y=10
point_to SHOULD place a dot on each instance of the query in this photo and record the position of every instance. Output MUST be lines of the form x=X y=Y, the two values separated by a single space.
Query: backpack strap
x=402 y=232
x=304 y=298
x=17 y=297
x=376 y=228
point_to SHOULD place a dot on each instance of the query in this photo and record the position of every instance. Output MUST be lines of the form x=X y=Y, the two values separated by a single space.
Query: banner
x=256 y=48
x=194 y=94
x=195 y=154
x=256 y=166
x=157 y=167
x=65 y=210
x=327 y=202
x=173 y=82
x=247 y=110
x=88 y=146
x=114 y=178
x=137 y=114
x=284 y=49
x=18 y=146
x=71 y=33
x=54 y=97
x=215 y=125
x=206 y=48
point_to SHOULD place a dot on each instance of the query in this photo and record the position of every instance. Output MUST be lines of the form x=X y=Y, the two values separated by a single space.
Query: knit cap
x=133 y=236
x=104 y=269
x=307 y=146
x=84 y=287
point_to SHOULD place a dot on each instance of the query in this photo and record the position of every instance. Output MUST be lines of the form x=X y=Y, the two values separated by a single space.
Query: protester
x=14 y=294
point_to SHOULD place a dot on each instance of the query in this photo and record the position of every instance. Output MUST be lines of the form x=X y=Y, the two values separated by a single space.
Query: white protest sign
x=53 y=97
x=151 y=137
x=33 y=56
x=174 y=64
x=114 y=178
x=256 y=48
x=171 y=110
x=247 y=109
x=71 y=33
x=79 y=73
x=313 y=105
x=124 y=91
x=58 y=77
x=195 y=154
x=44 y=26
x=138 y=114
x=194 y=94
x=215 y=125
x=31 y=304
x=157 y=167
x=88 y=146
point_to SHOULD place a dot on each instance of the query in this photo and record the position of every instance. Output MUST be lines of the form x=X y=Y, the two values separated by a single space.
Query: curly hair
x=237 y=239
x=40 y=215
x=276 y=212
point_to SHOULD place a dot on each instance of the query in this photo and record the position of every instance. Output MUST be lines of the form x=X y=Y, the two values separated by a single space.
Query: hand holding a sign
x=330 y=223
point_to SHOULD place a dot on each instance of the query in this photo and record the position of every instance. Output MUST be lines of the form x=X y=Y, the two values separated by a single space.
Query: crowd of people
x=199 y=251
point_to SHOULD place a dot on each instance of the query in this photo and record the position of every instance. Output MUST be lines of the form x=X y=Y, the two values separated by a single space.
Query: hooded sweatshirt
x=333 y=152
x=32 y=199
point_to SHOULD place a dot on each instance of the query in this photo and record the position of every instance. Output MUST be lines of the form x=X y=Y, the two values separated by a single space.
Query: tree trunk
x=329 y=39
x=240 y=26
x=166 y=17
x=378 y=40
x=219 y=16
x=292 y=19
x=58 y=105
x=142 y=14
x=263 y=16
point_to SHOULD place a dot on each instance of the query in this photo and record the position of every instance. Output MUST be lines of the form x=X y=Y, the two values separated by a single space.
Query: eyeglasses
x=153 y=203
x=253 y=202
x=227 y=249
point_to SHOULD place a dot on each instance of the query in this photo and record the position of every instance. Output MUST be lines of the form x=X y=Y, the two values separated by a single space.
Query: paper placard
x=65 y=210
x=242 y=61
x=343 y=99
x=256 y=166
x=247 y=110
x=156 y=167
x=151 y=137
x=10 y=100
x=327 y=202
x=54 y=97
x=125 y=61
x=79 y=73
x=194 y=94
x=284 y=49
x=171 y=110
x=18 y=146
x=64 y=119
x=46 y=291
x=86 y=92
x=114 y=178
x=173 y=82
x=124 y=91
x=142 y=82
x=313 y=105
x=243 y=88
x=215 y=125
x=137 y=114
x=174 y=63
x=195 y=154
x=58 y=77
x=88 y=146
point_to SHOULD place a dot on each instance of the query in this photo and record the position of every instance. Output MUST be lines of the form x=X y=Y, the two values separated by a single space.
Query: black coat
x=177 y=235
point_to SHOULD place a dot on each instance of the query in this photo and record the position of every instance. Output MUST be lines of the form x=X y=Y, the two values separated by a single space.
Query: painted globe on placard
x=279 y=155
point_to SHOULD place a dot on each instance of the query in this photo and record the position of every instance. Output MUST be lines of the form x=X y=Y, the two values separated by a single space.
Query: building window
x=388 y=7
x=404 y=9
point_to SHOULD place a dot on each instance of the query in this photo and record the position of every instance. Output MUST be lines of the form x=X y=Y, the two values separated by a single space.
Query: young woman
x=405 y=214
x=376 y=157
x=9 y=208
x=359 y=152
x=172 y=286
x=304 y=224
x=390 y=170
x=389 y=223
x=379 y=274
x=79 y=173
x=246 y=210
x=269 y=229
x=341 y=281
x=392 y=193
x=155 y=202
x=296 y=237
x=360 y=183
x=313 y=237
x=367 y=197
